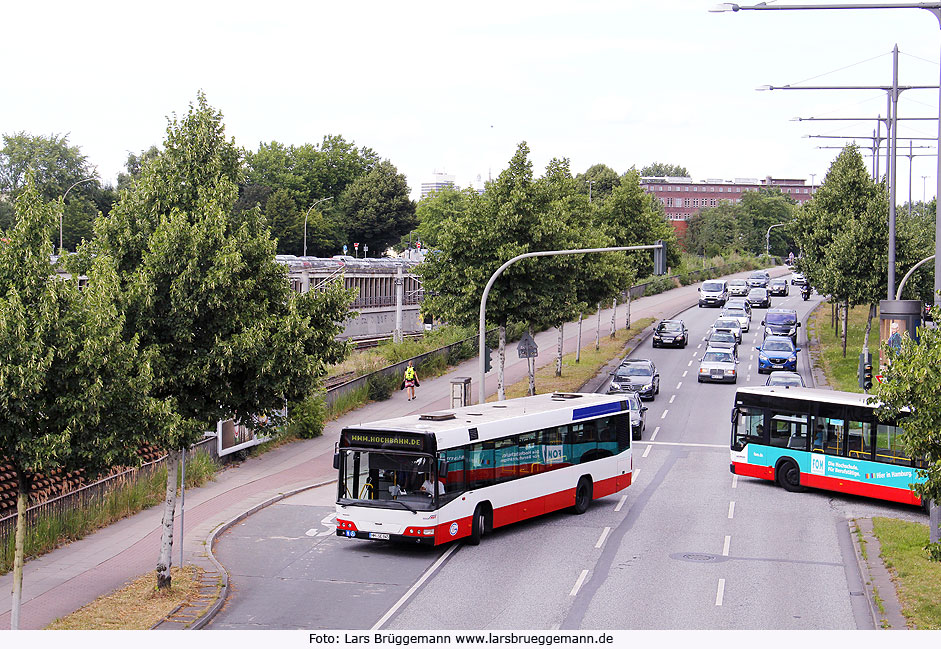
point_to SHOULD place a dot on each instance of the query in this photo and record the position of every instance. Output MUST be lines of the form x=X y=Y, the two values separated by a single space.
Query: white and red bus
x=442 y=476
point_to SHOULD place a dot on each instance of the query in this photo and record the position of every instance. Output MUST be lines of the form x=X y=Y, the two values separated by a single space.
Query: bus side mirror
x=336 y=461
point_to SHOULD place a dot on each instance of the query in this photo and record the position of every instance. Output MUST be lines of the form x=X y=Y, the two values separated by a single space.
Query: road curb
x=876 y=577
x=198 y=613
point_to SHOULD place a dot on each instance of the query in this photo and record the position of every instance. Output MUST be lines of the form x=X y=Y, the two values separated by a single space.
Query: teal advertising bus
x=805 y=437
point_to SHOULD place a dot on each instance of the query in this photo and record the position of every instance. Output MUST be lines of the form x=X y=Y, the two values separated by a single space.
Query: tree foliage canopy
x=663 y=169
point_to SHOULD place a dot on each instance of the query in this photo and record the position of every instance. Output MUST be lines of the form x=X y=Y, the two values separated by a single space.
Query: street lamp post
x=316 y=203
x=768 y=238
x=83 y=180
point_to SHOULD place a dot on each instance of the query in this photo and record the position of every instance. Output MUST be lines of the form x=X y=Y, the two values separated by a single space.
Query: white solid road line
x=731 y=509
x=725 y=546
x=604 y=535
x=622 y=501
x=654 y=436
x=578 y=583
x=416 y=586
x=647 y=451
x=720 y=592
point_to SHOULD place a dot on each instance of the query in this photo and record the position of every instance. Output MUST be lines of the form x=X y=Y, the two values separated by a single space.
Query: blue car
x=777 y=353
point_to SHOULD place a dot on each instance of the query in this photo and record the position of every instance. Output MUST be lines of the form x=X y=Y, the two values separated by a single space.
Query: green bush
x=381 y=387
x=306 y=418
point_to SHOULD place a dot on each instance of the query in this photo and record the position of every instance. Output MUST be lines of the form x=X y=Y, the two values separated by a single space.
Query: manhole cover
x=698 y=557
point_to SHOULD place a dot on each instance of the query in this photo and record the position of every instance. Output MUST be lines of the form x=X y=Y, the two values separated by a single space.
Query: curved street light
x=83 y=180
x=768 y=238
x=316 y=203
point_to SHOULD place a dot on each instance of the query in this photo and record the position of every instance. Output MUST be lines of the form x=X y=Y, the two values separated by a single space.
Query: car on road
x=714 y=292
x=739 y=313
x=718 y=366
x=778 y=286
x=777 y=353
x=672 y=333
x=738 y=288
x=798 y=279
x=759 y=279
x=638 y=416
x=729 y=324
x=781 y=322
x=740 y=302
x=722 y=339
x=759 y=298
x=636 y=375
x=786 y=379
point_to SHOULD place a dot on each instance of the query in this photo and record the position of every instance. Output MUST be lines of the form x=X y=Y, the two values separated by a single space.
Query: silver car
x=718 y=366
x=732 y=324
x=738 y=287
x=739 y=313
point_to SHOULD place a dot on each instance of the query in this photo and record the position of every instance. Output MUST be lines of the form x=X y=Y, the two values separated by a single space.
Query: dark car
x=786 y=379
x=671 y=333
x=636 y=375
x=777 y=353
x=638 y=416
x=759 y=279
x=758 y=297
x=777 y=286
x=781 y=322
x=722 y=339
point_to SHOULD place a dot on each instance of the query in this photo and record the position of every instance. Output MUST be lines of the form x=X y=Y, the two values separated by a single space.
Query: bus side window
x=582 y=437
x=859 y=440
x=555 y=454
x=828 y=436
x=608 y=434
x=481 y=467
x=889 y=446
x=529 y=459
x=506 y=457
x=454 y=474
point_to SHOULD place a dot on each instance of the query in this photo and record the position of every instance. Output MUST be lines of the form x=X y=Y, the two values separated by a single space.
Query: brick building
x=683 y=197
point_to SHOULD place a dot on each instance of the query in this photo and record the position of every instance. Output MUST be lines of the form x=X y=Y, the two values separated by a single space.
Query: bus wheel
x=789 y=476
x=478 y=526
x=582 y=496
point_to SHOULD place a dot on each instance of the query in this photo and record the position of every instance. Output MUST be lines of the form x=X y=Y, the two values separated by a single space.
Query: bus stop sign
x=527 y=347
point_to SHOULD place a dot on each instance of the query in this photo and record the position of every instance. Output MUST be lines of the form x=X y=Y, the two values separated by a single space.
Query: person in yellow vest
x=411 y=380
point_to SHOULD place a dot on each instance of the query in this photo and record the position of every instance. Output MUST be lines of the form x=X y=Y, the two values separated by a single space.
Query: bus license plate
x=379 y=536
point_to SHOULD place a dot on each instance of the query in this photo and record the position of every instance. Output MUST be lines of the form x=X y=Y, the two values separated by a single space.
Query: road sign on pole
x=527 y=347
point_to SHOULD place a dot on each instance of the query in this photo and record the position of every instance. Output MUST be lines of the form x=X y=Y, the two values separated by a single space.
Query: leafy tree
x=133 y=165
x=910 y=384
x=376 y=207
x=72 y=389
x=226 y=334
x=602 y=178
x=284 y=219
x=436 y=210
x=662 y=169
x=632 y=217
x=847 y=214
x=58 y=166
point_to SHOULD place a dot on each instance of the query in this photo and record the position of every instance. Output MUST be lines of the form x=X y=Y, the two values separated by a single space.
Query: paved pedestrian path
x=66 y=579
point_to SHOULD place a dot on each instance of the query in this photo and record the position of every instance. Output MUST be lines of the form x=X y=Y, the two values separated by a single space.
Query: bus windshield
x=390 y=480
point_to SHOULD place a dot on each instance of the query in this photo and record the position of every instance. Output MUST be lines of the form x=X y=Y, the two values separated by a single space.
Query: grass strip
x=841 y=372
x=138 y=606
x=918 y=580
x=575 y=375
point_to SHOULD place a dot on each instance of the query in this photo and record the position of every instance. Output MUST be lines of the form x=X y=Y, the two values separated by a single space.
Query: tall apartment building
x=683 y=197
x=440 y=181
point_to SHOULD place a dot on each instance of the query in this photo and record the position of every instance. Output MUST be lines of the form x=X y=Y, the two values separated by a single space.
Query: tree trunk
x=614 y=313
x=872 y=314
x=169 y=509
x=598 y=331
x=501 y=387
x=846 y=317
x=558 y=355
x=531 y=365
x=578 y=345
x=19 y=547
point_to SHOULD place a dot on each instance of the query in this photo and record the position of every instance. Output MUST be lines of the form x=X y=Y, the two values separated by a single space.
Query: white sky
x=454 y=87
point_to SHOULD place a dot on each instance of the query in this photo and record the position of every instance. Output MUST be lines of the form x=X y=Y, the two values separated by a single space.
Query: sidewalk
x=66 y=579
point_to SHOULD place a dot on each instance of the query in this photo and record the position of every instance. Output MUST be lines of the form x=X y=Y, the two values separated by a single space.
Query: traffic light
x=488 y=361
x=867 y=376
x=660 y=258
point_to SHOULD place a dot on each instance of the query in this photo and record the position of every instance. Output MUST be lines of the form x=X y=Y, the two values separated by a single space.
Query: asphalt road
x=687 y=546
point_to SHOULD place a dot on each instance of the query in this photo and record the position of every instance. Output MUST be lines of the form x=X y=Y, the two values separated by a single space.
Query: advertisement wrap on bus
x=449 y=475
x=822 y=439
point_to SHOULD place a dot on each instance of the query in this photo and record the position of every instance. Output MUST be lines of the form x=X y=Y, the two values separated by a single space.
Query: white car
x=739 y=313
x=798 y=279
x=718 y=366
